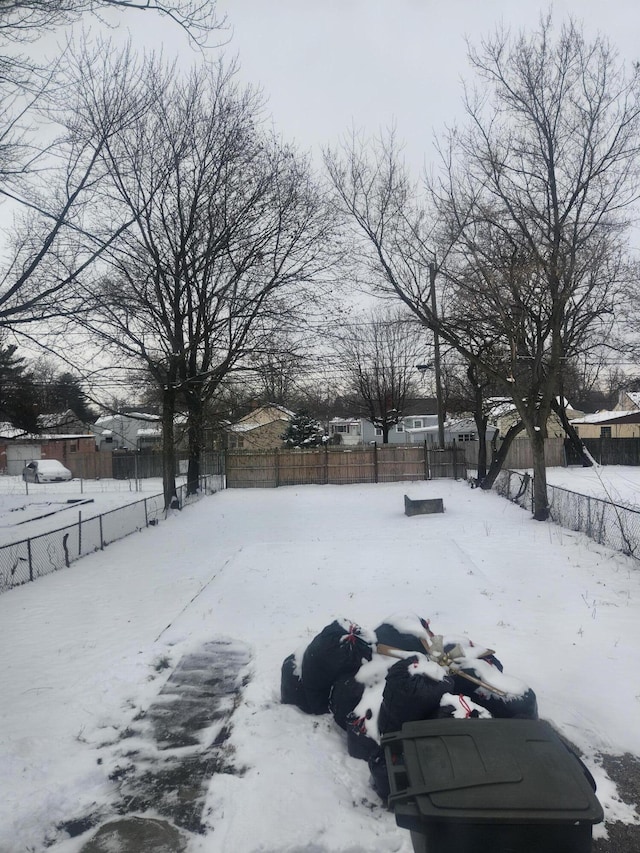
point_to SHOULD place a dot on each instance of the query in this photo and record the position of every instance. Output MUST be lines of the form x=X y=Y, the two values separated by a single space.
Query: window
x=467 y=436
x=340 y=428
x=605 y=432
x=400 y=427
x=417 y=423
x=378 y=431
x=73 y=447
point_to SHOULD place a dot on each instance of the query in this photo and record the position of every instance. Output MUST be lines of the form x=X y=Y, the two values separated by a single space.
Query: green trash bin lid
x=486 y=771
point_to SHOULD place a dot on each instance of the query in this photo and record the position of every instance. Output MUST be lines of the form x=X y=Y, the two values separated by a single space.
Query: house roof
x=634 y=396
x=56 y=419
x=606 y=417
x=7 y=430
x=256 y=418
x=35 y=437
x=140 y=416
x=499 y=406
x=420 y=406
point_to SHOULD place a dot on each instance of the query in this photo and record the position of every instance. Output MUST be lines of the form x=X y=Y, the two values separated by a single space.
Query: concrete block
x=426 y=506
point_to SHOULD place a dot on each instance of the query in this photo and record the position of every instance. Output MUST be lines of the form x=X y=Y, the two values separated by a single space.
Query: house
x=62 y=423
x=261 y=429
x=456 y=430
x=346 y=432
x=408 y=427
x=128 y=431
x=359 y=431
x=417 y=414
x=628 y=401
x=609 y=424
x=503 y=414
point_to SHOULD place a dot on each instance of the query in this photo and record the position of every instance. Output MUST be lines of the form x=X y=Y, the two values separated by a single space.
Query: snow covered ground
x=28 y=510
x=616 y=483
x=85 y=650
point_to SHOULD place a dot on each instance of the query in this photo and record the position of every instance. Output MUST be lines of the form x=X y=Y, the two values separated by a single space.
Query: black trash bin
x=489 y=786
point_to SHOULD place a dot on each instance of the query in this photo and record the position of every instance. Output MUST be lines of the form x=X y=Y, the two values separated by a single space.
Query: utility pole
x=436 y=356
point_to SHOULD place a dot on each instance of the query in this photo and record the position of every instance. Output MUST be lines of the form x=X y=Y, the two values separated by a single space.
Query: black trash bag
x=390 y=633
x=410 y=694
x=291 y=689
x=335 y=653
x=379 y=778
x=359 y=743
x=519 y=701
x=523 y=707
x=345 y=695
x=459 y=706
x=493 y=660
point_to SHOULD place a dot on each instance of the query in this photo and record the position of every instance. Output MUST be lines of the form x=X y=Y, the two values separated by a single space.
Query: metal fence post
x=375 y=461
x=80 y=533
x=30 y=559
x=101 y=533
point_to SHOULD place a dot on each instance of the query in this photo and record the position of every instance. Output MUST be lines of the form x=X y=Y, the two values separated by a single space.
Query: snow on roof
x=141 y=416
x=148 y=431
x=246 y=427
x=599 y=417
x=429 y=428
x=500 y=406
x=7 y=430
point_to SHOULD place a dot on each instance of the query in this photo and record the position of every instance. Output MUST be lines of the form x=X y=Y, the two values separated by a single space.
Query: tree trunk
x=168 y=448
x=481 y=424
x=540 y=499
x=572 y=435
x=194 y=433
x=499 y=456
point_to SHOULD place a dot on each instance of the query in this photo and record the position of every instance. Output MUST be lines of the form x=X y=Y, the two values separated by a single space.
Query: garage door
x=19 y=454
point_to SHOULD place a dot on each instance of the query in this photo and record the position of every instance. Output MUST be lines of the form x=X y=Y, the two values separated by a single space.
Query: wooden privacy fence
x=90 y=466
x=373 y=464
x=520 y=454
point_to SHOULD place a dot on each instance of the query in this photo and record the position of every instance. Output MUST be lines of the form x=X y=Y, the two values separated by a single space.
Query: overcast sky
x=326 y=65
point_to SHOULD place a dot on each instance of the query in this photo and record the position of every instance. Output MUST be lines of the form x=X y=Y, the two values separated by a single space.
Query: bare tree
x=379 y=356
x=531 y=208
x=229 y=228
x=22 y=20
x=47 y=173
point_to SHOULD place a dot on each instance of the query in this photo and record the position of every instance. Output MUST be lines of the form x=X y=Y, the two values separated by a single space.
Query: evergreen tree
x=18 y=394
x=67 y=393
x=303 y=431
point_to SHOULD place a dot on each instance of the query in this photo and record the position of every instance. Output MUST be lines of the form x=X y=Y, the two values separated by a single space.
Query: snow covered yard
x=28 y=509
x=616 y=483
x=86 y=650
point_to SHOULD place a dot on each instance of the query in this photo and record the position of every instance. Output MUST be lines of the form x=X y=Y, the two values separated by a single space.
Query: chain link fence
x=614 y=525
x=31 y=558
